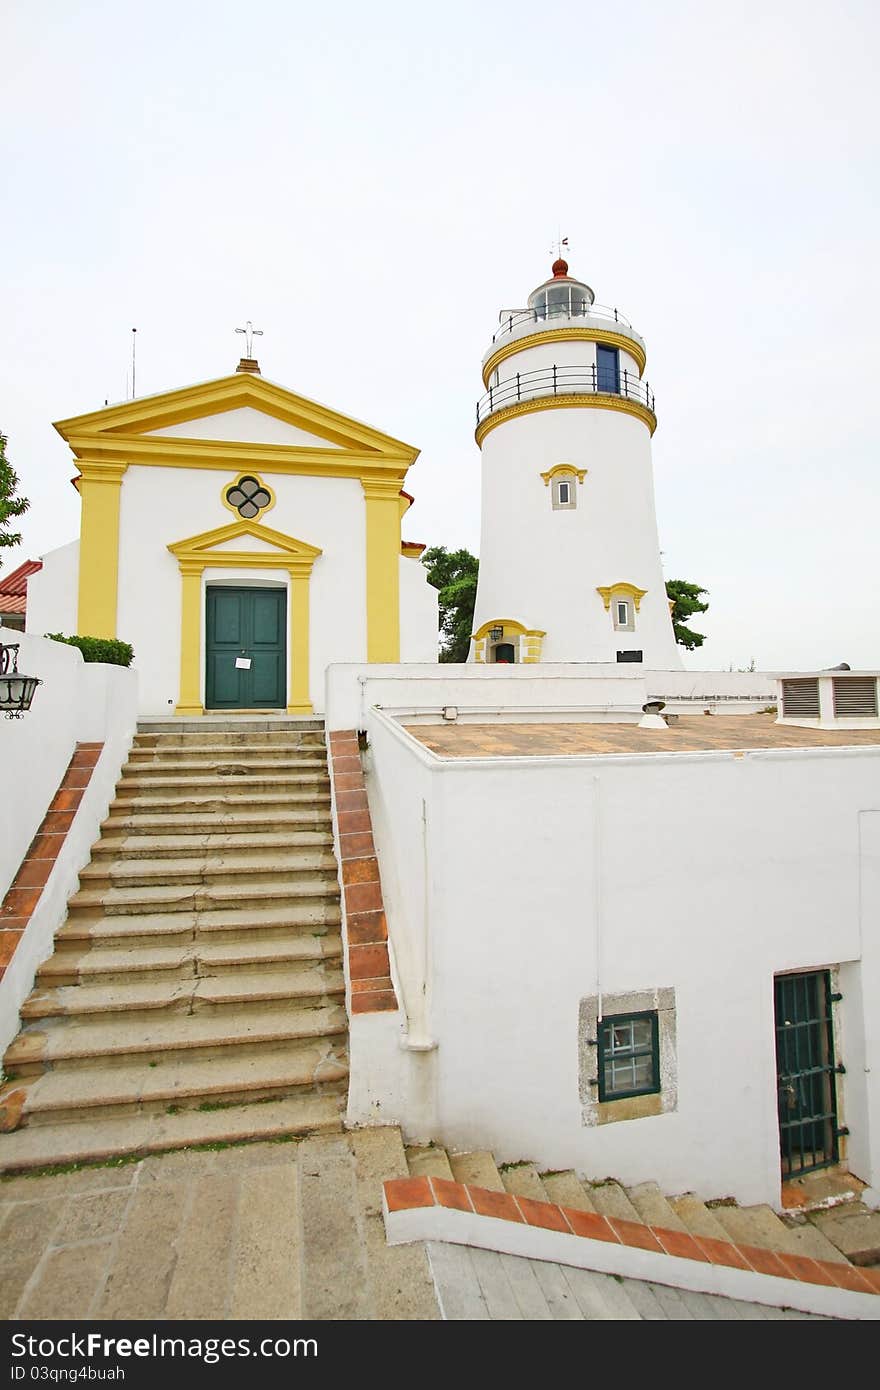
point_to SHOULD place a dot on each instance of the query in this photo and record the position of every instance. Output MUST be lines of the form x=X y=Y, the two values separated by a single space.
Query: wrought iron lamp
x=16 y=690
x=496 y=633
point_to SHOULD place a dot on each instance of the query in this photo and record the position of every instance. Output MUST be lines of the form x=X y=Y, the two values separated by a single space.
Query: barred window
x=248 y=497
x=629 y=1056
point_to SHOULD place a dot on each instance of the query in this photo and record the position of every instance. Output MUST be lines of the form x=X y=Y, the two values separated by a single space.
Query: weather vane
x=249 y=334
x=560 y=244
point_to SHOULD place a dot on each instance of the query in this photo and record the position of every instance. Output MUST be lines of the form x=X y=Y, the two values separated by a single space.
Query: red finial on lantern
x=560 y=269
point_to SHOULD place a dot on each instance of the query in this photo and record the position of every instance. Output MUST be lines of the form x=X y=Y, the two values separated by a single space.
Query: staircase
x=199 y=970
x=802 y=1234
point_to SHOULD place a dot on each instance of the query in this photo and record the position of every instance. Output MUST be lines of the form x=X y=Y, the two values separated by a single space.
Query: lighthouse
x=569 y=556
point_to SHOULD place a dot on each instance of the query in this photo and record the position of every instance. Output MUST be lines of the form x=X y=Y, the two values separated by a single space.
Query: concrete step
x=217 y=738
x=217 y=802
x=192 y=750
x=697 y=1217
x=266 y=922
x=205 y=782
x=653 y=1208
x=854 y=1229
x=757 y=1225
x=199 y=844
x=73 y=964
x=810 y=1241
x=232 y=821
x=254 y=896
x=429 y=1161
x=241 y=763
x=234 y=866
x=522 y=1180
x=39 y=1146
x=478 y=1168
x=244 y=724
x=162 y=1038
x=567 y=1190
x=303 y=988
x=610 y=1199
x=112 y=1091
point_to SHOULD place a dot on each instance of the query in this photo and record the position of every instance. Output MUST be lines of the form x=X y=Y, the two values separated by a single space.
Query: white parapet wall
x=524 y=894
x=76 y=703
x=477 y=692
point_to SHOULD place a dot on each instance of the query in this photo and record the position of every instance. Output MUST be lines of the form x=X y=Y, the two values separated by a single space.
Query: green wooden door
x=246 y=626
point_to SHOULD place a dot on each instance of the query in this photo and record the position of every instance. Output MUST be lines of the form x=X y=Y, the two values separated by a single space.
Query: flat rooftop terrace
x=689 y=734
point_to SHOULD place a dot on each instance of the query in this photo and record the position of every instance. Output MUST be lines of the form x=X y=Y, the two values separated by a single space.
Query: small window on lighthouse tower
x=564 y=495
x=624 y=616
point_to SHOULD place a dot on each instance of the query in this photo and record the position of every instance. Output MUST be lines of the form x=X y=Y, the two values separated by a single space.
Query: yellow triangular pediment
x=216 y=541
x=130 y=429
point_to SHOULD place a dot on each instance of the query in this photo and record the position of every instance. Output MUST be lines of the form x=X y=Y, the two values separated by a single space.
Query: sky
x=371 y=184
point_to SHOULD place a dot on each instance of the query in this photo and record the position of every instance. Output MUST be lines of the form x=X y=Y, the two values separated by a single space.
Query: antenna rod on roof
x=133 y=345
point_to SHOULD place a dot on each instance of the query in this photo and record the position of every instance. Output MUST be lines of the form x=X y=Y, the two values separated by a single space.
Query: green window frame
x=629 y=1055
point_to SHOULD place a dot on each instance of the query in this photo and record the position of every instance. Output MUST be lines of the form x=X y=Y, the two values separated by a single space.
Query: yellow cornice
x=148 y=413
x=630 y=590
x=558 y=335
x=591 y=402
x=227 y=455
x=568 y=468
x=382 y=488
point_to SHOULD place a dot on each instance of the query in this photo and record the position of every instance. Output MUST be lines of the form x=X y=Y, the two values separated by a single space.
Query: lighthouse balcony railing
x=512 y=320
x=585 y=379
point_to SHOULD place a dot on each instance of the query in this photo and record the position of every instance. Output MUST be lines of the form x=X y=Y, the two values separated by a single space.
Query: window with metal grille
x=629 y=1056
x=855 y=698
x=800 y=699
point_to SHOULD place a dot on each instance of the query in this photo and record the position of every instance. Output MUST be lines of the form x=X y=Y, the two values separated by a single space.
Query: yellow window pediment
x=623 y=589
x=213 y=547
x=564 y=469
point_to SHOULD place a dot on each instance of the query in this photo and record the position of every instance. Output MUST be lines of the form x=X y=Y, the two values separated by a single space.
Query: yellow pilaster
x=190 y=637
x=383 y=568
x=99 y=489
x=299 y=641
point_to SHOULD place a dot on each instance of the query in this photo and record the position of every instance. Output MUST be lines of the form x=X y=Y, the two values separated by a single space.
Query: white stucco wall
x=247 y=425
x=570 y=353
x=419 y=613
x=53 y=592
x=160 y=506
x=553 y=880
x=541 y=566
x=77 y=703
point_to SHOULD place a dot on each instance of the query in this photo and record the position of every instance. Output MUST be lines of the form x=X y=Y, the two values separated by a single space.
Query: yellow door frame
x=198 y=553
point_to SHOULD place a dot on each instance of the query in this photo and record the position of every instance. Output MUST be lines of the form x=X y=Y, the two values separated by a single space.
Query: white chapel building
x=241 y=538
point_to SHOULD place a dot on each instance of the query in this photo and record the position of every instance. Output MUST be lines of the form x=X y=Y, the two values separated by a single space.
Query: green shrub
x=106 y=649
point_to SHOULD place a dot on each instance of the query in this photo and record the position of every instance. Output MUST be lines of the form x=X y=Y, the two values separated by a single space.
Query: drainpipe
x=597 y=887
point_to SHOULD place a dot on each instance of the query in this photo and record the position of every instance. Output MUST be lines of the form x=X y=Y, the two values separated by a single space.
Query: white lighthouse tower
x=569 y=557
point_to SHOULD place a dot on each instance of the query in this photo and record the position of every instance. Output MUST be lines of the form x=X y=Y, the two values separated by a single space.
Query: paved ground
x=482 y=1285
x=690 y=734
x=262 y=1230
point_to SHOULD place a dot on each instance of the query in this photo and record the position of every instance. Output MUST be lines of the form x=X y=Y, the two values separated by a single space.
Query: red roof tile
x=16 y=582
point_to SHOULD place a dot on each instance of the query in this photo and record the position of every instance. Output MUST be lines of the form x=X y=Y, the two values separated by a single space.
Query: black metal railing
x=513 y=318
x=586 y=379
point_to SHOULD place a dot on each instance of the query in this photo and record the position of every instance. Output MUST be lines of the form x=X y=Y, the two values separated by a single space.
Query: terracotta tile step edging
x=429 y=1208
x=363 y=911
x=26 y=888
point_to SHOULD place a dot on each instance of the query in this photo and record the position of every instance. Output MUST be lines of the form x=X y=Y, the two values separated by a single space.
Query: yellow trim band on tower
x=100 y=490
x=559 y=335
x=195 y=555
x=383 y=568
x=572 y=402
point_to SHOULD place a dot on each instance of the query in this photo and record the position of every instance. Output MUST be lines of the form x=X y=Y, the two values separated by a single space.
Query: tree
x=685 y=602
x=454 y=573
x=10 y=504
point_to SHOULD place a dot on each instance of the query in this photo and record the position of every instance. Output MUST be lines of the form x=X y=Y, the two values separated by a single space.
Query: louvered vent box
x=800 y=699
x=855 y=697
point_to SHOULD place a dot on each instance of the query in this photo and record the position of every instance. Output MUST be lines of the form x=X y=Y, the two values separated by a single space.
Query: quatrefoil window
x=249 y=497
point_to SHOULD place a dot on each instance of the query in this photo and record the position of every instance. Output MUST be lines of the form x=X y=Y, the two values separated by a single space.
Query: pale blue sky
x=371 y=184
